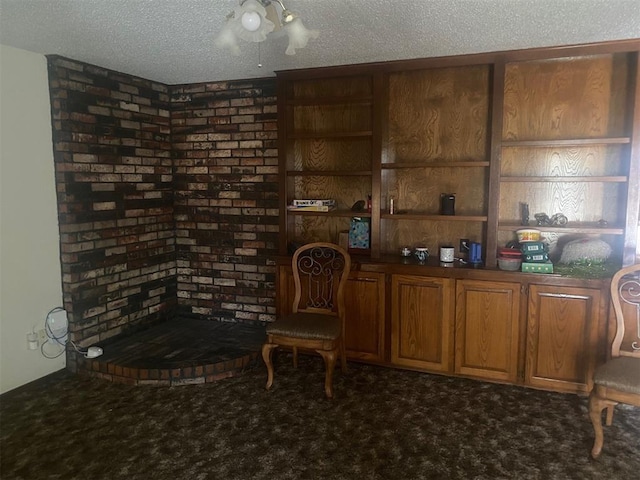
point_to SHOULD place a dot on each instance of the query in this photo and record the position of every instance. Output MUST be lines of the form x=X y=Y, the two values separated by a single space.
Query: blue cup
x=475 y=252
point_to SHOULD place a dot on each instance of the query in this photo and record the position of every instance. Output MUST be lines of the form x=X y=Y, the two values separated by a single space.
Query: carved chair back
x=625 y=296
x=320 y=272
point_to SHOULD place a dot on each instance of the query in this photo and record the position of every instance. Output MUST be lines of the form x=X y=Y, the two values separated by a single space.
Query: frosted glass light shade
x=252 y=14
x=227 y=39
x=299 y=35
x=250 y=21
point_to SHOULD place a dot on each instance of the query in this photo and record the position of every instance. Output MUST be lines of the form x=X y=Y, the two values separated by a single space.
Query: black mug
x=447 y=204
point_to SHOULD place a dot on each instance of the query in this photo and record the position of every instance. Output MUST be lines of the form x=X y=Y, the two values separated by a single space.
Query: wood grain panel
x=330 y=154
x=345 y=87
x=487 y=320
x=345 y=190
x=422 y=316
x=566 y=98
x=439 y=114
x=562 y=337
x=365 y=313
x=587 y=161
x=331 y=118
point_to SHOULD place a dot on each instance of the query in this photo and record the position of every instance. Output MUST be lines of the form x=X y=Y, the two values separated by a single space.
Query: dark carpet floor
x=382 y=424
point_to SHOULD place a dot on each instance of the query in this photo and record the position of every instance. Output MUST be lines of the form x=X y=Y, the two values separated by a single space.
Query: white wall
x=30 y=279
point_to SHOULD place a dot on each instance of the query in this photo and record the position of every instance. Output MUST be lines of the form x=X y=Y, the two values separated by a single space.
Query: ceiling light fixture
x=253 y=20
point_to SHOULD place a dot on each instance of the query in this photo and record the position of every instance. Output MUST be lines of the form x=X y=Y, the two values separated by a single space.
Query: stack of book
x=312 y=205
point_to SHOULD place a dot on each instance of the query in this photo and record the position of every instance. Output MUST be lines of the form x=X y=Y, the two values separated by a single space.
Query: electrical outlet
x=464 y=245
x=32 y=341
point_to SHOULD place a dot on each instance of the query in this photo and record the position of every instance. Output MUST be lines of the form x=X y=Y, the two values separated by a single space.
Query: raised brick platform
x=178 y=352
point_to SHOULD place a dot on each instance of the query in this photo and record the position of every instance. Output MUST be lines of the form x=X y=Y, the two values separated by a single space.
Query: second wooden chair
x=317 y=321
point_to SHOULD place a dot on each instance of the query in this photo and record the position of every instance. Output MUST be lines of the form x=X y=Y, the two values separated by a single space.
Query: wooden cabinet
x=365 y=314
x=532 y=330
x=486 y=330
x=555 y=128
x=421 y=322
x=365 y=311
x=563 y=344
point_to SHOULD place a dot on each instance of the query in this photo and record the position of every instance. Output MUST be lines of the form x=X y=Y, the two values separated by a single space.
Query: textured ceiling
x=171 y=41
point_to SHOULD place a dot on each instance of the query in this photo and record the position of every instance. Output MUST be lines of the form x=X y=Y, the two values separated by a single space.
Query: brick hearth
x=181 y=352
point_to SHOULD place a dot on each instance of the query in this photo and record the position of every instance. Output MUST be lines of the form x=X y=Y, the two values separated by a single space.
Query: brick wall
x=114 y=180
x=167 y=199
x=226 y=206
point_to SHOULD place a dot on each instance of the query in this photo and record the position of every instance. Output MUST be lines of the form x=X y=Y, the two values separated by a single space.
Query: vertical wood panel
x=487 y=319
x=365 y=311
x=422 y=315
x=567 y=98
x=439 y=114
x=562 y=337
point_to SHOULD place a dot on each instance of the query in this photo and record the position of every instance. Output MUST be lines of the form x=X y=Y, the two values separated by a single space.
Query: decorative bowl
x=528 y=235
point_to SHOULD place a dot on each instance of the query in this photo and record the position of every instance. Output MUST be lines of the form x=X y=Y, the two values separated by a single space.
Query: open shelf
x=314 y=101
x=355 y=134
x=603 y=179
x=328 y=173
x=433 y=217
x=439 y=164
x=566 y=142
x=571 y=227
x=332 y=213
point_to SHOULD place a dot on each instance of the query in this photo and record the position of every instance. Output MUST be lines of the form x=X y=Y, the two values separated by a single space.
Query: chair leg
x=329 y=357
x=609 y=415
x=295 y=357
x=267 y=350
x=596 y=405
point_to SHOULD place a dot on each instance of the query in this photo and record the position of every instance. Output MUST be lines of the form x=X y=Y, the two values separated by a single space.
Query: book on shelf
x=314 y=202
x=310 y=208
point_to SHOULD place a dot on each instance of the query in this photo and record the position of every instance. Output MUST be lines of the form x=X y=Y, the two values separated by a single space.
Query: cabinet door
x=364 y=326
x=421 y=322
x=562 y=343
x=487 y=319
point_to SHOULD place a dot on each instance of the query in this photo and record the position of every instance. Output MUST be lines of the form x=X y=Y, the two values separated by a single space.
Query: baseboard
x=37 y=383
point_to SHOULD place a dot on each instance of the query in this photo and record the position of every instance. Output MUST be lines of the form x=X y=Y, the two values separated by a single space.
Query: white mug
x=447 y=254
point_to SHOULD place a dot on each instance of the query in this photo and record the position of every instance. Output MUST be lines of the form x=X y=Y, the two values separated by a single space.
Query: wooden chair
x=320 y=272
x=618 y=380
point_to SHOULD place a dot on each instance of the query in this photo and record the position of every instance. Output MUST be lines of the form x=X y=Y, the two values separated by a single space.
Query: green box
x=533 y=247
x=541 y=257
x=546 y=267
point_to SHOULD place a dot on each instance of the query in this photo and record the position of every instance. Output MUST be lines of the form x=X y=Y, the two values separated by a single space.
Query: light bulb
x=251 y=21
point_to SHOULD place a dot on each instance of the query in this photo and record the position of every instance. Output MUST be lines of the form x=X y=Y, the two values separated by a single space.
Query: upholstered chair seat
x=621 y=373
x=307 y=325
